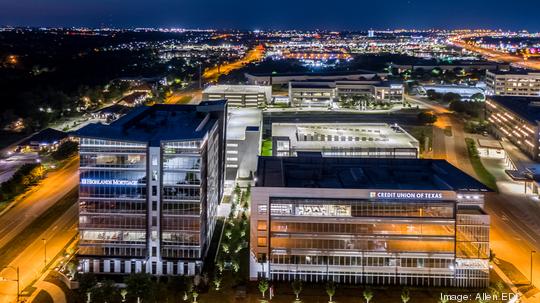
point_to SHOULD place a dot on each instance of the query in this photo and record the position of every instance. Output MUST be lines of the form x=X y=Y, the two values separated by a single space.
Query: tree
x=159 y=291
x=297 y=288
x=176 y=286
x=426 y=118
x=433 y=95
x=217 y=282
x=405 y=295
x=263 y=286
x=106 y=292
x=451 y=97
x=492 y=255
x=330 y=290
x=478 y=97
x=368 y=294
x=87 y=281
x=65 y=150
x=139 y=286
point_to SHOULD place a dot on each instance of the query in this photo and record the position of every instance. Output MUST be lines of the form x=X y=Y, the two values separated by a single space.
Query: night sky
x=275 y=14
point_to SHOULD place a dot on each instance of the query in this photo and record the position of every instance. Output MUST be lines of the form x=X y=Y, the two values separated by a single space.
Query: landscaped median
x=483 y=174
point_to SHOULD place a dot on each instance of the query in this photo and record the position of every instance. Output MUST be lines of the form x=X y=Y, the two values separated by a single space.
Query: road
x=56 y=185
x=23 y=212
x=31 y=261
x=499 y=56
x=254 y=55
x=188 y=96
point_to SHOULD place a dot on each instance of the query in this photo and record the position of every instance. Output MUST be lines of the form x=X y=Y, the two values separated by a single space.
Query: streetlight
x=16 y=269
x=44 y=253
x=532 y=252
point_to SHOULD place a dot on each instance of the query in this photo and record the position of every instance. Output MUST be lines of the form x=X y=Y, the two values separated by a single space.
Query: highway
x=56 y=185
x=255 y=54
x=499 y=56
x=32 y=259
x=16 y=220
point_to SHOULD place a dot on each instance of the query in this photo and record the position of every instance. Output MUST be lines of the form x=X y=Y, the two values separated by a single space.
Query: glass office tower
x=373 y=221
x=150 y=184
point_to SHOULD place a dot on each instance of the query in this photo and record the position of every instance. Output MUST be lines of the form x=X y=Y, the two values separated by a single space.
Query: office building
x=323 y=93
x=364 y=140
x=513 y=83
x=311 y=94
x=380 y=91
x=370 y=221
x=244 y=127
x=285 y=78
x=517 y=120
x=239 y=95
x=150 y=185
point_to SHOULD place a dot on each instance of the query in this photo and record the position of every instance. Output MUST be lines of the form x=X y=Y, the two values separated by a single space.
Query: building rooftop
x=46 y=136
x=528 y=108
x=238 y=89
x=371 y=135
x=310 y=84
x=160 y=122
x=322 y=74
x=515 y=72
x=241 y=120
x=357 y=173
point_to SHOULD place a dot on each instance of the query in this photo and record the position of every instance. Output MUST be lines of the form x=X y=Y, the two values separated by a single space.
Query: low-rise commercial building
x=239 y=95
x=518 y=120
x=311 y=94
x=380 y=91
x=513 y=83
x=150 y=185
x=284 y=78
x=45 y=140
x=319 y=93
x=370 y=221
x=364 y=140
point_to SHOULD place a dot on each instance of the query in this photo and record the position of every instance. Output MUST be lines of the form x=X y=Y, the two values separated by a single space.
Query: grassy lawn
x=485 y=176
x=266 y=149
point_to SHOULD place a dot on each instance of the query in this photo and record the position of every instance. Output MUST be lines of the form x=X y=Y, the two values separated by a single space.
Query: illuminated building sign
x=405 y=195
x=472 y=264
x=108 y=182
x=311 y=210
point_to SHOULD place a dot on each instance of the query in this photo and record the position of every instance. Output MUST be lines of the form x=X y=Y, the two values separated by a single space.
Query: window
x=261 y=225
x=154 y=190
x=261 y=241
x=154 y=205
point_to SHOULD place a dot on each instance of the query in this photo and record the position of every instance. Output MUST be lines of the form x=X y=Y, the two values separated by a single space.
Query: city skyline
x=277 y=15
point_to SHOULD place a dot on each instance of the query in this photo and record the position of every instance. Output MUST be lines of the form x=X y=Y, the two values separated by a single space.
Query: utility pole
x=44 y=253
x=532 y=253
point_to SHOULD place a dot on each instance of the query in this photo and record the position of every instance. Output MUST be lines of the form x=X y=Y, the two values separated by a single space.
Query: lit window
x=261 y=225
x=261 y=241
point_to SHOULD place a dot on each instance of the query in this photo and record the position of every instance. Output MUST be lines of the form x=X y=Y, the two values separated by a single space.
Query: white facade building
x=364 y=140
x=517 y=83
x=239 y=95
